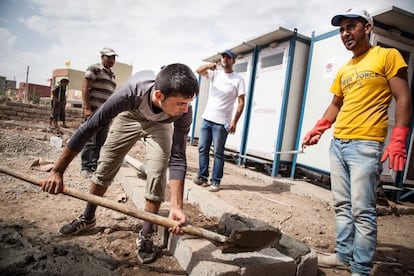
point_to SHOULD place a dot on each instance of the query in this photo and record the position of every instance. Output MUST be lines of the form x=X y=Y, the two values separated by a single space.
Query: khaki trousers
x=126 y=129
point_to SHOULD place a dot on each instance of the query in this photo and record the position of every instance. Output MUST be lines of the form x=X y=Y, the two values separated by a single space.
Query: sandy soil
x=30 y=219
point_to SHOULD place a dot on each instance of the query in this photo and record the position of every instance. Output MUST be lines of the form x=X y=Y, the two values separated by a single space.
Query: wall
x=75 y=78
x=18 y=111
x=34 y=91
x=122 y=72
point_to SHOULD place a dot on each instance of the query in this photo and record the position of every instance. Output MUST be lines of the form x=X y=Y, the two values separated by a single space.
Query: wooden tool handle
x=104 y=202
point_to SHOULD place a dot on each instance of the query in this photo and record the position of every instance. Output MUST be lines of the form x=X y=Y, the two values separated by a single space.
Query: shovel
x=240 y=240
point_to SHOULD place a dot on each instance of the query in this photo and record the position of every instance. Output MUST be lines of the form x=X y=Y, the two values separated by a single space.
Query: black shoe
x=200 y=181
x=78 y=225
x=146 y=251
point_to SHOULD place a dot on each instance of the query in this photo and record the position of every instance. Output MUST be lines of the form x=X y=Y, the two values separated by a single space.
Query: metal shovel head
x=246 y=235
x=247 y=240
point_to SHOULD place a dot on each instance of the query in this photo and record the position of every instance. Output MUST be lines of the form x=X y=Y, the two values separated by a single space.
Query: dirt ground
x=30 y=219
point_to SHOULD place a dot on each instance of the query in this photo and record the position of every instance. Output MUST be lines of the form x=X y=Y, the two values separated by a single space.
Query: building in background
x=121 y=70
x=273 y=67
x=34 y=92
x=37 y=93
x=7 y=87
x=287 y=78
x=73 y=90
x=392 y=28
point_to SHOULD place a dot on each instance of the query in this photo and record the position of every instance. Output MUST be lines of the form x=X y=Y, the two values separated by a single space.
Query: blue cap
x=229 y=53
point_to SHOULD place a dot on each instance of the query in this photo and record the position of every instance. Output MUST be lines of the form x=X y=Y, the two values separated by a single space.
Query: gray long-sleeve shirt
x=135 y=94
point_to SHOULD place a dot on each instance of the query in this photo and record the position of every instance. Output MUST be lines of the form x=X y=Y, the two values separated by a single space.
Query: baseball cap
x=229 y=53
x=108 y=52
x=336 y=20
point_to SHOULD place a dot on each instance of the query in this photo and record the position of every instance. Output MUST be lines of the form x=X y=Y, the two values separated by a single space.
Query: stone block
x=201 y=257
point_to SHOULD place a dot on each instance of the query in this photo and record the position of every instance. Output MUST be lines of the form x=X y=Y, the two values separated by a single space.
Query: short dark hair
x=177 y=80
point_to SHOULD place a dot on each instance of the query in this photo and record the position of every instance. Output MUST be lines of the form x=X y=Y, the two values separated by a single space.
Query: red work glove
x=313 y=136
x=396 y=148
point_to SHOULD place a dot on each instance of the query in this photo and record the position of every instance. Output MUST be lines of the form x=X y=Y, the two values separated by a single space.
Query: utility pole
x=26 y=89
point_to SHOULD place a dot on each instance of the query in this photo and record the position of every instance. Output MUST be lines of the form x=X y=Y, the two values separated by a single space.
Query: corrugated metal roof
x=278 y=34
x=392 y=16
x=395 y=18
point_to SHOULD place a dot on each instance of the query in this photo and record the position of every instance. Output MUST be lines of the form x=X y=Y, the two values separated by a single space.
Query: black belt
x=344 y=141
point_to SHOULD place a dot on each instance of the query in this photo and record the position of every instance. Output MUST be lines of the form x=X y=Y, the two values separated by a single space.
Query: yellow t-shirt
x=363 y=85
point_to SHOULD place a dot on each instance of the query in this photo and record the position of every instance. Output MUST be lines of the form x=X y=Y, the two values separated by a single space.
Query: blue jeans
x=355 y=171
x=217 y=134
x=90 y=152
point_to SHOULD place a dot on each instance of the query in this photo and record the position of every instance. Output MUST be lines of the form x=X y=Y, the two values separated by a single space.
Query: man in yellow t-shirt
x=362 y=92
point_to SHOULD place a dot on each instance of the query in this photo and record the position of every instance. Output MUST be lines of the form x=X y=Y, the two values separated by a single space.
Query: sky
x=44 y=34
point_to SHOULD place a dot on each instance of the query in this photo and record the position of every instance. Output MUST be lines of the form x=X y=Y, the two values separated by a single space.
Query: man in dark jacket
x=155 y=109
x=59 y=103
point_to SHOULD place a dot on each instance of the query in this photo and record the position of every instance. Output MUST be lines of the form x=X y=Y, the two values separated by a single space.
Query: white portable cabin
x=273 y=67
x=393 y=27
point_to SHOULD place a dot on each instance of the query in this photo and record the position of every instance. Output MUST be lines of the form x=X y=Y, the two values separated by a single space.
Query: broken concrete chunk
x=246 y=233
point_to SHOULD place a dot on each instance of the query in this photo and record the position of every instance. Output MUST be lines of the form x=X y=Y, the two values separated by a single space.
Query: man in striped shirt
x=98 y=85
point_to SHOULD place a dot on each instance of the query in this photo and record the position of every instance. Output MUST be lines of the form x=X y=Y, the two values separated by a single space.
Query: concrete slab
x=214 y=207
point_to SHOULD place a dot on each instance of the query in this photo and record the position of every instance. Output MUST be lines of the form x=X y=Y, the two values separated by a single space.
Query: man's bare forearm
x=64 y=160
x=177 y=191
x=202 y=70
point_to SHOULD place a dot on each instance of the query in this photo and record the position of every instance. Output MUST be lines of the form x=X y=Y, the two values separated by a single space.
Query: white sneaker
x=331 y=260
x=214 y=187
x=86 y=174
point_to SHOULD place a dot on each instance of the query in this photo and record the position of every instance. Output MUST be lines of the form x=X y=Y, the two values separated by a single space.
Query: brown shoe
x=331 y=261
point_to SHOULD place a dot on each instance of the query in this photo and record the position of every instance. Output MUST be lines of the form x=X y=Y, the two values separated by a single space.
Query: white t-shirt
x=224 y=90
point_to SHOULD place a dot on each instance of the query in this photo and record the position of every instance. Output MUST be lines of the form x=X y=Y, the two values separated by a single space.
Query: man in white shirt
x=225 y=87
